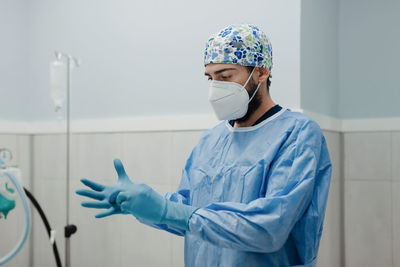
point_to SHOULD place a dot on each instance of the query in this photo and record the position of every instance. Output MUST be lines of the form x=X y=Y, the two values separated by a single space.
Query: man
x=254 y=189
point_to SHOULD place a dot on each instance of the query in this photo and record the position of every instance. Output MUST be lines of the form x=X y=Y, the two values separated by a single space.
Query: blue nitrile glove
x=106 y=196
x=139 y=200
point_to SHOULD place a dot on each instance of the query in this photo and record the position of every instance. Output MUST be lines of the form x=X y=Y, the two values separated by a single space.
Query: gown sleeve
x=264 y=224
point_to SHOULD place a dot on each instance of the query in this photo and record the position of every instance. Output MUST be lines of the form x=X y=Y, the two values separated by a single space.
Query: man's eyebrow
x=219 y=71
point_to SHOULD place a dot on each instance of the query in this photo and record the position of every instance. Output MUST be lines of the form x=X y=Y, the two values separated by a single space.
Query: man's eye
x=226 y=77
x=209 y=78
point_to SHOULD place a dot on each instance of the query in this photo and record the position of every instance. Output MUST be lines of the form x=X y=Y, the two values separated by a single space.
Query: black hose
x=46 y=223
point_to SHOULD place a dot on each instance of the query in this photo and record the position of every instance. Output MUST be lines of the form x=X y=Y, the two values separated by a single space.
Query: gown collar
x=255 y=127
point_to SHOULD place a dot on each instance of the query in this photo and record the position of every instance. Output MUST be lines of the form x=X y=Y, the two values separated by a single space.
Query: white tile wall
x=97 y=241
x=50 y=193
x=372 y=208
x=153 y=158
x=142 y=245
x=22 y=259
x=329 y=250
x=92 y=156
x=182 y=145
x=396 y=156
x=334 y=147
x=368 y=223
x=147 y=157
x=10 y=142
x=49 y=157
x=49 y=188
x=396 y=223
x=178 y=251
x=367 y=156
x=10 y=232
x=78 y=214
x=11 y=229
x=372 y=202
x=24 y=159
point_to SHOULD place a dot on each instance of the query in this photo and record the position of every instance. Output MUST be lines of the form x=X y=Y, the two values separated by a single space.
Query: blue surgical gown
x=261 y=192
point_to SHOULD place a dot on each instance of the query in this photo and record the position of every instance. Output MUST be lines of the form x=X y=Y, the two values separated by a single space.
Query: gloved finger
x=106 y=213
x=125 y=206
x=113 y=197
x=119 y=167
x=96 y=205
x=90 y=193
x=95 y=186
x=121 y=198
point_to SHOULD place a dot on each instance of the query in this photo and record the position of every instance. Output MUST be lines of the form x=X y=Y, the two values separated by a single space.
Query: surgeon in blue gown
x=254 y=189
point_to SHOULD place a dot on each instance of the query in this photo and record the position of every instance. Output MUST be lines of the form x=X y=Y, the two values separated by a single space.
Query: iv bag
x=58 y=82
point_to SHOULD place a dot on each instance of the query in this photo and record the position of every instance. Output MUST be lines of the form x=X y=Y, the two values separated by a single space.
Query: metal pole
x=69 y=229
x=67 y=240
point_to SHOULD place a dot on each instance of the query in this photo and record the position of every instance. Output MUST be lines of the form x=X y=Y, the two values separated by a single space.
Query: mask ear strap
x=248 y=79
x=258 y=86
x=255 y=92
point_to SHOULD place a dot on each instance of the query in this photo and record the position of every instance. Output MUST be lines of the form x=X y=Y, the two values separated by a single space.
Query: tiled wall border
x=182 y=123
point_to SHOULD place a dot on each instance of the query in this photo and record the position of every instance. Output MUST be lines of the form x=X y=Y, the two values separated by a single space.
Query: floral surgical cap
x=243 y=44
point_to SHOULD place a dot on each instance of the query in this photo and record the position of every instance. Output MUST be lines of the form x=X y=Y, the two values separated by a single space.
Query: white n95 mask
x=230 y=100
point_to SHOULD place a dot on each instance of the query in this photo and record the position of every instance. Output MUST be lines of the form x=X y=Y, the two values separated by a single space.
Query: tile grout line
x=391 y=220
x=370 y=180
x=342 y=201
x=391 y=195
x=121 y=138
x=32 y=178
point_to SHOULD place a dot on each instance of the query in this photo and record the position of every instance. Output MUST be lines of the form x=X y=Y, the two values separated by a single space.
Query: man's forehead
x=216 y=68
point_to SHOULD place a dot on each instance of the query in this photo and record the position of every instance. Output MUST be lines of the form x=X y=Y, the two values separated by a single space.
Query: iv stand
x=69 y=229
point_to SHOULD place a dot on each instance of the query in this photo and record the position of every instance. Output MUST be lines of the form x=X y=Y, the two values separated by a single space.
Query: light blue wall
x=350 y=58
x=14 y=94
x=369 y=58
x=319 y=57
x=144 y=58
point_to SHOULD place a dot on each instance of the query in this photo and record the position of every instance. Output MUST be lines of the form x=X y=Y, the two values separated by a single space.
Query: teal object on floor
x=139 y=200
x=6 y=204
x=8 y=173
x=262 y=192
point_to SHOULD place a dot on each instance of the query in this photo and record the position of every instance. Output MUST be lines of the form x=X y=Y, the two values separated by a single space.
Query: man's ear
x=263 y=74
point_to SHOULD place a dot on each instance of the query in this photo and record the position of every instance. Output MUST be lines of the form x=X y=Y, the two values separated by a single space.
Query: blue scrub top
x=261 y=192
